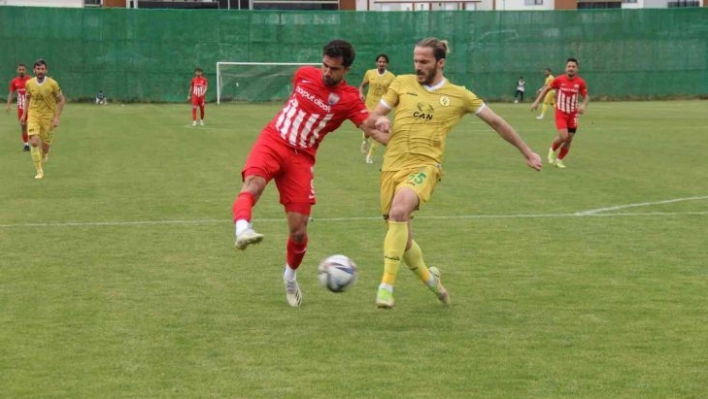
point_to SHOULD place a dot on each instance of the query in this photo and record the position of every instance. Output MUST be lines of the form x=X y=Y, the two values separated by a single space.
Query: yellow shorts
x=41 y=127
x=422 y=180
x=550 y=98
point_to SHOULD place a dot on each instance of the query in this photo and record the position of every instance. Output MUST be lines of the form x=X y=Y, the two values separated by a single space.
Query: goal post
x=255 y=81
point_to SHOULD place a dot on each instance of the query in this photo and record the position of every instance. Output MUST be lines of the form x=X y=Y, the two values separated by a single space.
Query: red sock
x=25 y=137
x=242 y=206
x=194 y=113
x=201 y=111
x=296 y=252
x=555 y=146
x=563 y=152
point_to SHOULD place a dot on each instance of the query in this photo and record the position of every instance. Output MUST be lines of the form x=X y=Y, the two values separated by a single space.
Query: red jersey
x=567 y=92
x=18 y=84
x=314 y=109
x=199 y=85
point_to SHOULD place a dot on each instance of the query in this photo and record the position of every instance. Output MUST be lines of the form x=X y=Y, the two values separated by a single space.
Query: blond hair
x=441 y=48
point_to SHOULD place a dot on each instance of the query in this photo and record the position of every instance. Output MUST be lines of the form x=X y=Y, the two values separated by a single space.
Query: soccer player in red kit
x=18 y=85
x=568 y=88
x=197 y=93
x=285 y=151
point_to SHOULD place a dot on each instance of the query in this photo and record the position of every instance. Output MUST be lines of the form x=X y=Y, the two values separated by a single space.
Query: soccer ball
x=337 y=273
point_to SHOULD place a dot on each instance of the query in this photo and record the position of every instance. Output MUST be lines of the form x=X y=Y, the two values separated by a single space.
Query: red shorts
x=198 y=101
x=293 y=171
x=566 y=121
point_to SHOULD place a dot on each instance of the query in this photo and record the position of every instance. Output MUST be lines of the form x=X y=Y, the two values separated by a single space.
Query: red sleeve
x=358 y=111
x=13 y=87
x=296 y=76
x=584 y=89
x=556 y=83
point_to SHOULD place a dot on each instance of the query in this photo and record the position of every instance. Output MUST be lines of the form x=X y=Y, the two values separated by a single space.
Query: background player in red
x=17 y=84
x=285 y=151
x=568 y=88
x=197 y=93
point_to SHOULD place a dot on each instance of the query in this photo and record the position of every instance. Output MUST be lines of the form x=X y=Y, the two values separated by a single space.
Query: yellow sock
x=36 y=157
x=363 y=136
x=373 y=146
x=544 y=108
x=414 y=259
x=394 y=247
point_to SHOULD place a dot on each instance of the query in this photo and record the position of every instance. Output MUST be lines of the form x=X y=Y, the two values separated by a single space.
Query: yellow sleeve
x=393 y=92
x=473 y=103
x=55 y=88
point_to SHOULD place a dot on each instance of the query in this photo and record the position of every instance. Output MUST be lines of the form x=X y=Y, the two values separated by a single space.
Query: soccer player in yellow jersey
x=378 y=81
x=427 y=108
x=44 y=103
x=550 y=98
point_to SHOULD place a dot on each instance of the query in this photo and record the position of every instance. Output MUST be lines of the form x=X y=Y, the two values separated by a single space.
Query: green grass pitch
x=119 y=278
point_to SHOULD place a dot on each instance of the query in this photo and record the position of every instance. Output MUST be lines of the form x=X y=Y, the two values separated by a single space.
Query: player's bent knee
x=399 y=214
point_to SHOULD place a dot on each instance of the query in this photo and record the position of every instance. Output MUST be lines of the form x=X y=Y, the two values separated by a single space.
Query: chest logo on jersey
x=332 y=99
x=444 y=101
x=314 y=99
x=424 y=112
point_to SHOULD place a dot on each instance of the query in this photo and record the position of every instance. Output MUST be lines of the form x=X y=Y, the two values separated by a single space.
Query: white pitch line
x=618 y=207
x=345 y=219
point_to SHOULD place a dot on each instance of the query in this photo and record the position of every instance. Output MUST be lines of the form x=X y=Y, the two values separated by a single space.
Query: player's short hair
x=198 y=69
x=340 y=48
x=548 y=69
x=22 y=65
x=571 y=59
x=39 y=62
x=441 y=48
x=385 y=57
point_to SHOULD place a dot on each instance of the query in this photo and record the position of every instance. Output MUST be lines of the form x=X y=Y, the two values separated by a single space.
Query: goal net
x=255 y=81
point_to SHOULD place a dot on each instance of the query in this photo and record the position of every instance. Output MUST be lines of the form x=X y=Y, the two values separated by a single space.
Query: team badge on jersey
x=333 y=99
x=444 y=101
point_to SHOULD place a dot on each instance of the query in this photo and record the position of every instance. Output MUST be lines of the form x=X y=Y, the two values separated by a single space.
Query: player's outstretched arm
x=508 y=133
x=9 y=101
x=584 y=105
x=60 y=107
x=28 y=98
x=541 y=94
x=377 y=125
x=362 y=86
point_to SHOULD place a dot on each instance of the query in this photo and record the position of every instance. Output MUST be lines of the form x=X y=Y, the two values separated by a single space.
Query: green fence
x=149 y=55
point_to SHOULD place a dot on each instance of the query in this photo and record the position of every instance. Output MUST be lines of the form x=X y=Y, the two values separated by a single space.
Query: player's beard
x=329 y=82
x=426 y=77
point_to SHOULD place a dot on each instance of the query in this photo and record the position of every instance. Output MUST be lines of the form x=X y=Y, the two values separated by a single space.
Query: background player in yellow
x=550 y=98
x=427 y=108
x=45 y=103
x=378 y=80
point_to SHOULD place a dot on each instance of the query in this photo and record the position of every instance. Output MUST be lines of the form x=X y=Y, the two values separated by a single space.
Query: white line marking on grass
x=344 y=219
x=207 y=127
x=618 y=207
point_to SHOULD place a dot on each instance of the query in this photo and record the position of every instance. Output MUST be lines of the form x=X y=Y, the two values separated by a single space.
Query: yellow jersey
x=424 y=117
x=43 y=97
x=378 y=84
x=549 y=79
